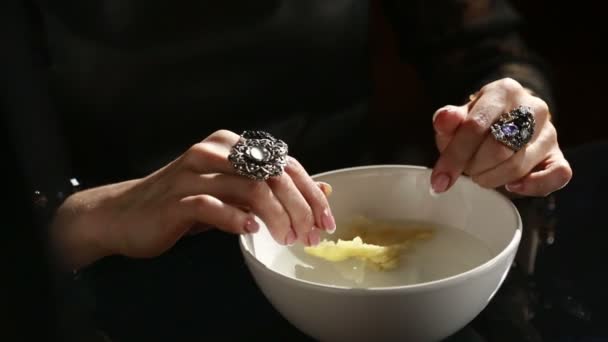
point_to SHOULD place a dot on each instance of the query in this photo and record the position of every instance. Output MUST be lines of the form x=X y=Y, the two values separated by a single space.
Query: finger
x=191 y=184
x=243 y=192
x=206 y=209
x=445 y=122
x=313 y=194
x=521 y=163
x=198 y=228
x=314 y=237
x=492 y=152
x=211 y=154
x=303 y=200
x=552 y=176
x=299 y=211
x=185 y=186
x=467 y=140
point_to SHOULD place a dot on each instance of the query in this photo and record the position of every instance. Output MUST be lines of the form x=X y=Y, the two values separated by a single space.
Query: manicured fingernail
x=437 y=113
x=251 y=226
x=290 y=239
x=433 y=193
x=516 y=186
x=328 y=221
x=440 y=183
x=326 y=188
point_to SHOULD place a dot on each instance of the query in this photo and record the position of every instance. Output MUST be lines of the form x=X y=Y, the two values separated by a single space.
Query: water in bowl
x=448 y=252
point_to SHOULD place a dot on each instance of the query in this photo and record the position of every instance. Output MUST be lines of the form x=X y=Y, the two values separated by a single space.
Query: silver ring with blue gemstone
x=258 y=155
x=515 y=128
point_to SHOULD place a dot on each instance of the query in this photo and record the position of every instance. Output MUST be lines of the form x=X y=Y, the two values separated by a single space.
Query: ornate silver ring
x=515 y=128
x=259 y=156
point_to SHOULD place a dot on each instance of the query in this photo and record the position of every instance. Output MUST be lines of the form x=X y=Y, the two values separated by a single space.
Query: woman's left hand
x=463 y=137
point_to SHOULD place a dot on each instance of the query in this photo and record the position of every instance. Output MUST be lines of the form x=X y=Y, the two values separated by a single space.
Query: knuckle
x=541 y=107
x=489 y=86
x=279 y=182
x=547 y=137
x=564 y=174
x=510 y=85
x=202 y=201
x=552 y=133
x=318 y=198
x=219 y=136
x=293 y=165
x=293 y=160
x=307 y=219
x=207 y=152
x=478 y=124
x=198 y=150
x=256 y=190
x=303 y=223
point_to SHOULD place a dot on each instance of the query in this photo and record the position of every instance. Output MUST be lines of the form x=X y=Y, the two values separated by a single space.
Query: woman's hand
x=145 y=217
x=463 y=137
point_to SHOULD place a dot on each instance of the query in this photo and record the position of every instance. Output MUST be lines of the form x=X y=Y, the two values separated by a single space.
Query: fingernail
x=433 y=193
x=516 y=186
x=437 y=113
x=251 y=226
x=328 y=221
x=314 y=237
x=290 y=239
x=326 y=188
x=441 y=182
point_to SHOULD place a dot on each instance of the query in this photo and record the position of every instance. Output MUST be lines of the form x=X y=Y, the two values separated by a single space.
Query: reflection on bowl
x=440 y=285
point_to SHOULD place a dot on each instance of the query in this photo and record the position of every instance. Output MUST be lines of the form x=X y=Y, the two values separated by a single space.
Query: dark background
x=569 y=35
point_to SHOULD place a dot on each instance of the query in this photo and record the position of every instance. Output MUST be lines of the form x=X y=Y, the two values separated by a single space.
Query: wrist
x=76 y=236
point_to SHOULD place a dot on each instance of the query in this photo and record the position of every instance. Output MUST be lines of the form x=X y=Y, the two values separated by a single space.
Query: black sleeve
x=37 y=159
x=25 y=99
x=460 y=45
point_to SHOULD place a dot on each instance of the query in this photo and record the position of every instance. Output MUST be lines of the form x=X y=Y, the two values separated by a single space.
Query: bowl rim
x=434 y=284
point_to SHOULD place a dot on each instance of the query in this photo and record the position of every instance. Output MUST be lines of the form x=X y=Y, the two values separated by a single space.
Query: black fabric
x=135 y=83
x=459 y=46
x=29 y=116
x=147 y=80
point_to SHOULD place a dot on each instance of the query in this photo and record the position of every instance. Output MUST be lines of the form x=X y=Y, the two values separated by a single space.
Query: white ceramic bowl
x=327 y=309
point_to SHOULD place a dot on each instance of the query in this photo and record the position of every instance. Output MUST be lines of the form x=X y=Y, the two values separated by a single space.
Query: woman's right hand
x=145 y=217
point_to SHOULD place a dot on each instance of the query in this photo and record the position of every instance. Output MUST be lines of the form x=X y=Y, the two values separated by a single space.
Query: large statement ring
x=258 y=155
x=515 y=128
